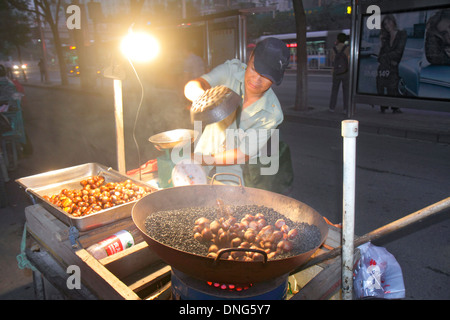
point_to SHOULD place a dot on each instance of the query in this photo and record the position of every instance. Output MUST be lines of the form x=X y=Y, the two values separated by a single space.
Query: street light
x=137 y=47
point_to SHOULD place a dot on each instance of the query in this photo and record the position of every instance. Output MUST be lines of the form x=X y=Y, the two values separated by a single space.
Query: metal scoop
x=214 y=105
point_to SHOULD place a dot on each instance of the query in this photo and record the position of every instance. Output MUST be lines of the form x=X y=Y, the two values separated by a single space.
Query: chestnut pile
x=96 y=195
x=251 y=232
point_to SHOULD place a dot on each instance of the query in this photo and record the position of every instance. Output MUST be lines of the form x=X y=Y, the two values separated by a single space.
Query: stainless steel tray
x=52 y=182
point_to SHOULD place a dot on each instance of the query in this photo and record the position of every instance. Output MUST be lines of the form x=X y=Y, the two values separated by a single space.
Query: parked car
x=422 y=79
x=418 y=78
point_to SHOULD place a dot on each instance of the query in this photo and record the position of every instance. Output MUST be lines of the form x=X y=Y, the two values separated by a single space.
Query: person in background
x=7 y=90
x=8 y=67
x=42 y=69
x=193 y=65
x=393 y=43
x=260 y=107
x=340 y=56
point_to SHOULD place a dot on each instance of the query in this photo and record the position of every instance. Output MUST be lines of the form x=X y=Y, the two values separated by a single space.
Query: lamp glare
x=140 y=47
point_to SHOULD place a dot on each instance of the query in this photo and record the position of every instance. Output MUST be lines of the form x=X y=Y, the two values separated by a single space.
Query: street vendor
x=260 y=108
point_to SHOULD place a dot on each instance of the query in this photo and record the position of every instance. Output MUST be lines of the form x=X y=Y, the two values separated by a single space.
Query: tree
x=50 y=11
x=301 y=96
x=52 y=18
x=14 y=30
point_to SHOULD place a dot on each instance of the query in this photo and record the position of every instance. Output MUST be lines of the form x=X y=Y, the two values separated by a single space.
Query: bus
x=318 y=46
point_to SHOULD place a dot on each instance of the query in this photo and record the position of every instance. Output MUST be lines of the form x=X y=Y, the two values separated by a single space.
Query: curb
x=66 y=88
x=371 y=127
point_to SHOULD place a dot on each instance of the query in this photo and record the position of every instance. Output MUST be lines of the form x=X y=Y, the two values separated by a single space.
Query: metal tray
x=52 y=182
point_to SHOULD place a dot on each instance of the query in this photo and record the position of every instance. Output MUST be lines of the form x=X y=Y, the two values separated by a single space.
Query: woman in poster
x=437 y=42
x=393 y=43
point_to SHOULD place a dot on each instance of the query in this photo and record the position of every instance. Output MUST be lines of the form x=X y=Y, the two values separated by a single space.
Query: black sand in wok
x=174 y=228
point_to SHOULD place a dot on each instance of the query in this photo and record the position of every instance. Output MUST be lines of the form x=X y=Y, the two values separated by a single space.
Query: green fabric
x=22 y=260
x=280 y=182
x=165 y=167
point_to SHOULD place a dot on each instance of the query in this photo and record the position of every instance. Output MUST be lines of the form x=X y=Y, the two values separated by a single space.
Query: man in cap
x=260 y=108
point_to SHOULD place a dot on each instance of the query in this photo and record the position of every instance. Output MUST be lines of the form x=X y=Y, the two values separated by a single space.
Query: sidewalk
x=416 y=124
x=412 y=124
x=74 y=84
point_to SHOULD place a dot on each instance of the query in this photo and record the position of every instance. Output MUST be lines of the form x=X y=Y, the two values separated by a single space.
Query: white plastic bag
x=377 y=274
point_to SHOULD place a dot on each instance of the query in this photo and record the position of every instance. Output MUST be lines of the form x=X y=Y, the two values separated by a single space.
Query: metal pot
x=225 y=271
x=173 y=138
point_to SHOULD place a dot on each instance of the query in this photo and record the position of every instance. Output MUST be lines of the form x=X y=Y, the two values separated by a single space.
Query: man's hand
x=226 y=158
x=195 y=88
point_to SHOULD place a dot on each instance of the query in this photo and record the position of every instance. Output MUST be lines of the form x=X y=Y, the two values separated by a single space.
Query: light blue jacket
x=256 y=120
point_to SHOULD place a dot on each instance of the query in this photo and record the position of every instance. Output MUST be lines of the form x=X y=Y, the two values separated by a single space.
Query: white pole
x=118 y=114
x=183 y=9
x=349 y=132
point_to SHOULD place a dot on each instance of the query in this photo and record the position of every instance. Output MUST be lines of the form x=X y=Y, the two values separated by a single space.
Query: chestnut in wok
x=250 y=232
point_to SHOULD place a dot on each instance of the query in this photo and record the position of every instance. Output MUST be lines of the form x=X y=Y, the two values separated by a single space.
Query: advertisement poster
x=409 y=56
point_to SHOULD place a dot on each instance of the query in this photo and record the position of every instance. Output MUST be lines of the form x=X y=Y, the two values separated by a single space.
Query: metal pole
x=349 y=132
x=353 y=54
x=183 y=9
x=208 y=45
x=242 y=38
x=118 y=114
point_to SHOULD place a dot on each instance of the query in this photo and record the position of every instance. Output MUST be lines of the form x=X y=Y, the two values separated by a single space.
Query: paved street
x=395 y=176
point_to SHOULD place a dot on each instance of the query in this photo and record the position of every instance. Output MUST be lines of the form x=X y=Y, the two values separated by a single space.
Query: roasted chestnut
x=251 y=232
x=95 y=195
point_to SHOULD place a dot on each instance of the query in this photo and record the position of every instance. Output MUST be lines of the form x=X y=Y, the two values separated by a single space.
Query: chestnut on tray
x=96 y=195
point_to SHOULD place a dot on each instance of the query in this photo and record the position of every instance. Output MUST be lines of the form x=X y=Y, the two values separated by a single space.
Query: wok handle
x=222 y=251
x=224 y=173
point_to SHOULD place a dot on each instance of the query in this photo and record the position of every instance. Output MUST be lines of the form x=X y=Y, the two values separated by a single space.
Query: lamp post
x=137 y=47
x=118 y=116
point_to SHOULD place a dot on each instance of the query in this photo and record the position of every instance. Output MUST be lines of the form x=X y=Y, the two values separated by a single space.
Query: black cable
x=136 y=118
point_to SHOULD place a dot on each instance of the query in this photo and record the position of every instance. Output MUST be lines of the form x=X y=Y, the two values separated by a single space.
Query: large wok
x=225 y=271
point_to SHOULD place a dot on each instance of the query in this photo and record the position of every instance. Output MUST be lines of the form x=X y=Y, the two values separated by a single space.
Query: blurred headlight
x=17 y=67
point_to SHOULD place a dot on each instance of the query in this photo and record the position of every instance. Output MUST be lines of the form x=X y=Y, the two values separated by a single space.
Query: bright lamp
x=139 y=47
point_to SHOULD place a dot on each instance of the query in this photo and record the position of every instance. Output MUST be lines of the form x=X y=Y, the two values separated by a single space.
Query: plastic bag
x=377 y=274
